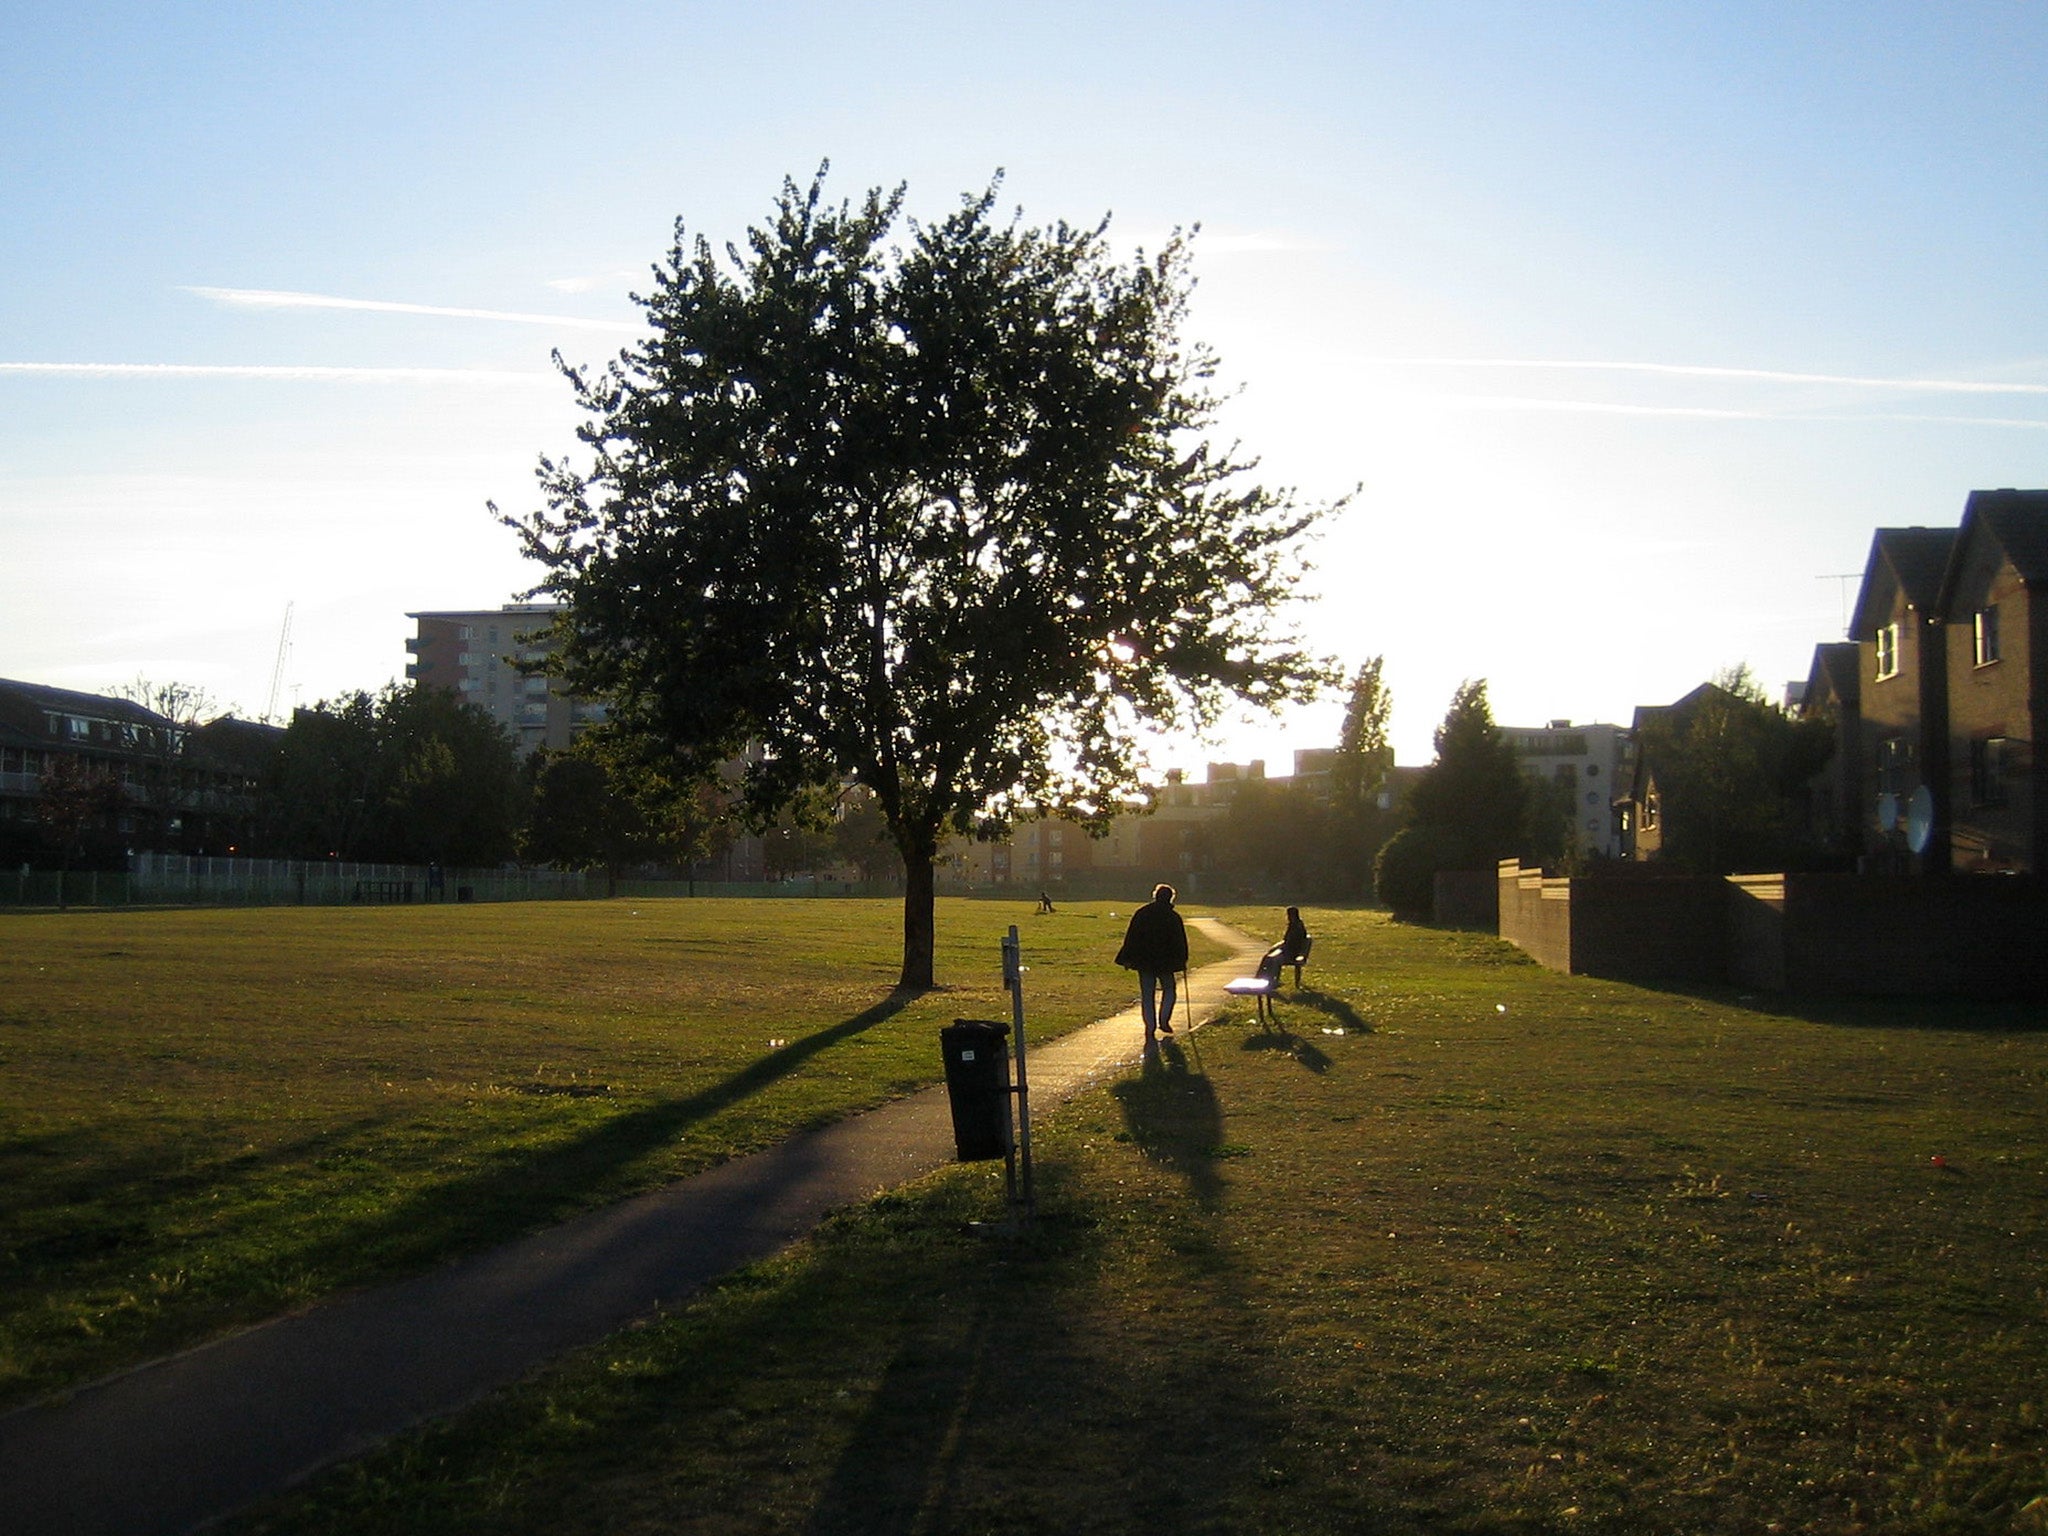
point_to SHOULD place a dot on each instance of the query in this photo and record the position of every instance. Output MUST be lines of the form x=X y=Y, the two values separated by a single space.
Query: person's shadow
x=1172 y=1113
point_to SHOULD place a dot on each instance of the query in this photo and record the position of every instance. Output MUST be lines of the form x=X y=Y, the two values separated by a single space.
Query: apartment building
x=481 y=655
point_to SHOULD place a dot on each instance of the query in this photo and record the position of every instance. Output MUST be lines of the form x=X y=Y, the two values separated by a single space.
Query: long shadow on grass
x=519 y=1189
x=1171 y=1110
x=1999 y=1016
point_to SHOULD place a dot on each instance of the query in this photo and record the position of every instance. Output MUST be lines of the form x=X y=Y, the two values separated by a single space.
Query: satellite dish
x=1887 y=811
x=1919 y=819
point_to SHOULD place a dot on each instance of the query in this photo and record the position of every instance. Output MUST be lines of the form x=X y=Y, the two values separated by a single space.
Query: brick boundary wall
x=1969 y=936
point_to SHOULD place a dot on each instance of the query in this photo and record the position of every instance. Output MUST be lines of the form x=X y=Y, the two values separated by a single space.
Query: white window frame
x=1984 y=634
x=1887 y=651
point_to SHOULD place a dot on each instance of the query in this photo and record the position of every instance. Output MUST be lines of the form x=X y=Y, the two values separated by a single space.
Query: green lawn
x=208 y=1117
x=1465 y=1246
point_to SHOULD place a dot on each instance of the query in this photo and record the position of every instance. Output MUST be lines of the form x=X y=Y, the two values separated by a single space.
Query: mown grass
x=1462 y=1246
x=208 y=1117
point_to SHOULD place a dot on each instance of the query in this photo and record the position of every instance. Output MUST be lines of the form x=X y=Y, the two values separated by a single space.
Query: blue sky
x=1631 y=321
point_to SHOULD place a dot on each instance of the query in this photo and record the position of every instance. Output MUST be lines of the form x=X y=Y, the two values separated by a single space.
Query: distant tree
x=1475 y=789
x=1467 y=809
x=77 y=806
x=1406 y=867
x=1277 y=835
x=325 y=782
x=411 y=775
x=580 y=819
x=793 y=847
x=1731 y=771
x=1360 y=821
x=1365 y=755
x=170 y=775
x=453 y=793
x=939 y=519
x=1550 y=814
x=860 y=836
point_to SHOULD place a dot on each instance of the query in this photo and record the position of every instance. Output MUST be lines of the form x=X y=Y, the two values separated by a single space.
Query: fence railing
x=158 y=879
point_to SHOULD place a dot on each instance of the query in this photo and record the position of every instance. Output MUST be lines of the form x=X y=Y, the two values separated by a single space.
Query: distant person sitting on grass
x=1294 y=942
x=1155 y=946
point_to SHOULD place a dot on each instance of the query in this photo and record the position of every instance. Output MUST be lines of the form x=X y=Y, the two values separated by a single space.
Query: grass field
x=208 y=1117
x=1464 y=1246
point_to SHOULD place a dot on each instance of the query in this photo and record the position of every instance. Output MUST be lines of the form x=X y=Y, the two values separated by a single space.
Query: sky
x=1621 y=326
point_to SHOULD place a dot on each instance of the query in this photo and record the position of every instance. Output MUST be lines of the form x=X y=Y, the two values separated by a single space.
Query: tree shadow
x=523 y=1188
x=1173 y=1116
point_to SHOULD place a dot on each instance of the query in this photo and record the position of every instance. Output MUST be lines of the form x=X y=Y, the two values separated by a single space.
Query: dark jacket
x=1294 y=943
x=1156 y=941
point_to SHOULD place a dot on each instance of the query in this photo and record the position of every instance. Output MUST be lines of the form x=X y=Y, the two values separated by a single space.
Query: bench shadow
x=1276 y=1036
x=1171 y=1111
x=518 y=1191
x=1340 y=1013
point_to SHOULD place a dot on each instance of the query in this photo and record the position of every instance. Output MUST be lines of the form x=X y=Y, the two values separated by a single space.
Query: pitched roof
x=1837 y=673
x=1915 y=560
x=2018 y=521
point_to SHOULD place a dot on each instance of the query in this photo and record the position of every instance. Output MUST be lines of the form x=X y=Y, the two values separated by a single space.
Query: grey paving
x=181 y=1442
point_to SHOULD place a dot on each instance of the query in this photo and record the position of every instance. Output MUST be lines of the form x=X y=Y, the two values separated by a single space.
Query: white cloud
x=271 y=298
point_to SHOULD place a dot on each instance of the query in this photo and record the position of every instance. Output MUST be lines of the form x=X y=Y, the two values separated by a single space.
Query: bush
x=1404 y=874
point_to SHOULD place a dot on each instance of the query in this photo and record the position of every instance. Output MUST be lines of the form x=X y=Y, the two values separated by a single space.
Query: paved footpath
x=168 y=1447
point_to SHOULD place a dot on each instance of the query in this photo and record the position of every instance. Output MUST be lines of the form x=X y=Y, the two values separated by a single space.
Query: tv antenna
x=1844 y=577
x=284 y=647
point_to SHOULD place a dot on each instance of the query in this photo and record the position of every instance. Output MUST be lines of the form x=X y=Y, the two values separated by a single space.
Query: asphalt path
x=170 y=1446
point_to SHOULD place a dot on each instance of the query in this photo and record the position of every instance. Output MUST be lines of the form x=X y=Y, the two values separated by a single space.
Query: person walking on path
x=1155 y=946
x=1294 y=943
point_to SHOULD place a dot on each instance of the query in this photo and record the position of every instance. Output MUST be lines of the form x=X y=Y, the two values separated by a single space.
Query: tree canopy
x=411 y=775
x=937 y=517
x=1732 y=770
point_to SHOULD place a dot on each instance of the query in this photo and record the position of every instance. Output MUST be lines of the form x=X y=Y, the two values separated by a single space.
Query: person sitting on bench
x=1294 y=944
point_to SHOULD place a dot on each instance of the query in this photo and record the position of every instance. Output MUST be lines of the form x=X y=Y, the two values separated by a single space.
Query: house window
x=1985 y=629
x=1894 y=765
x=1649 y=810
x=1987 y=771
x=1887 y=652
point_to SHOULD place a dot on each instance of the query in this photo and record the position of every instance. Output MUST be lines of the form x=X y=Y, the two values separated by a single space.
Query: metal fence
x=168 y=879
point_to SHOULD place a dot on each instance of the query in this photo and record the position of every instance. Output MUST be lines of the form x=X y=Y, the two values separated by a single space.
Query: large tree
x=937 y=517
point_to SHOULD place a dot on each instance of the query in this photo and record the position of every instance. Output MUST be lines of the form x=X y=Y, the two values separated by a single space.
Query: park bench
x=382 y=890
x=1263 y=986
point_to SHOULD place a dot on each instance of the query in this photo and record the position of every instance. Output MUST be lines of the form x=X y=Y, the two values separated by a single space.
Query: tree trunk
x=917 y=924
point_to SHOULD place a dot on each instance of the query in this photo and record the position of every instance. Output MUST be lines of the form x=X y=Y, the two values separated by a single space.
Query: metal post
x=1013 y=978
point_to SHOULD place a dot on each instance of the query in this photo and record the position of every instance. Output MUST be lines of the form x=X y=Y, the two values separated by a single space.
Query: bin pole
x=1013 y=976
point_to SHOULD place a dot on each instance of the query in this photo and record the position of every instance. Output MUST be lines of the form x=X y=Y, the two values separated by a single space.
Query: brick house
x=1834 y=693
x=1997 y=682
x=1902 y=647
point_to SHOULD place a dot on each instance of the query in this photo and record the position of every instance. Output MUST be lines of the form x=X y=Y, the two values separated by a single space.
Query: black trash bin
x=978 y=1084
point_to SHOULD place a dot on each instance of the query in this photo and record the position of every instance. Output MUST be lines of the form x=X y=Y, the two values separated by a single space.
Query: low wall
x=1629 y=923
x=1965 y=936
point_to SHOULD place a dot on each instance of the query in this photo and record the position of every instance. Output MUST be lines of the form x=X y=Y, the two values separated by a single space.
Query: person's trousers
x=1156 y=997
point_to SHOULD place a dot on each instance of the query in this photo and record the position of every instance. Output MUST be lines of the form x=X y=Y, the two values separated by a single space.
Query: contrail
x=287 y=371
x=274 y=298
x=1703 y=371
x=1610 y=408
